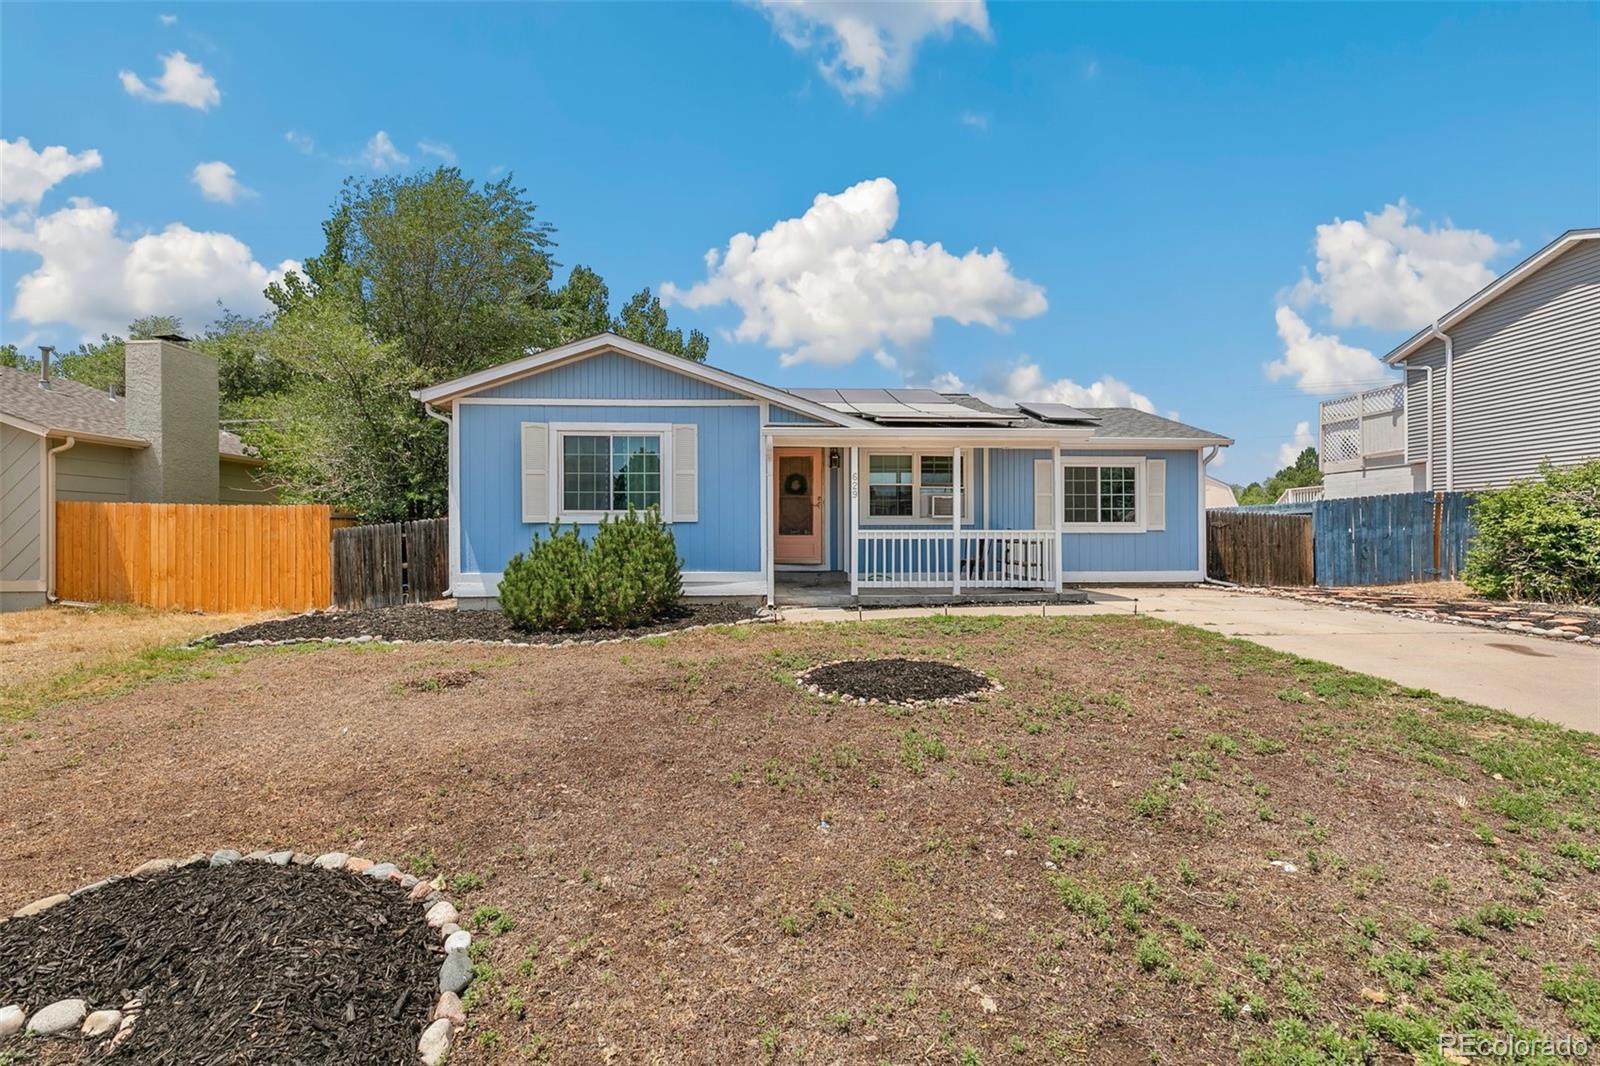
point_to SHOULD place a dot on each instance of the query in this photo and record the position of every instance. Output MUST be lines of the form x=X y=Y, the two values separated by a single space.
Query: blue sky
x=1147 y=194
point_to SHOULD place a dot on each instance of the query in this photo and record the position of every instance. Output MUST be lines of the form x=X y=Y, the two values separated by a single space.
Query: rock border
x=1514 y=626
x=761 y=618
x=73 y=1017
x=803 y=680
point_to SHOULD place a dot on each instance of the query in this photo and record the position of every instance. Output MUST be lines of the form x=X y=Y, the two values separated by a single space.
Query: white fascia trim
x=1515 y=276
x=695 y=583
x=1131 y=577
x=967 y=437
x=1160 y=444
x=541 y=401
x=610 y=341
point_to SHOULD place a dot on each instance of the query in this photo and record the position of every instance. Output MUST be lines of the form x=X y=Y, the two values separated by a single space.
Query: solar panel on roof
x=1056 y=412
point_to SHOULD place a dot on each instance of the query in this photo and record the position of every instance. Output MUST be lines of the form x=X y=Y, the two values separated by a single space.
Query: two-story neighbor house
x=883 y=489
x=1504 y=382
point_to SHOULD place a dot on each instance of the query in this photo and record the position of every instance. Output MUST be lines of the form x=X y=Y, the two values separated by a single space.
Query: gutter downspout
x=50 y=524
x=1428 y=385
x=1449 y=406
x=1205 y=569
x=453 y=518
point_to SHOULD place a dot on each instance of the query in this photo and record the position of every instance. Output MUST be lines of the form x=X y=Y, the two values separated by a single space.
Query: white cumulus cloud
x=1321 y=363
x=1387 y=272
x=1026 y=381
x=1290 y=449
x=182 y=81
x=300 y=142
x=438 y=149
x=865 y=47
x=381 y=154
x=217 y=181
x=831 y=285
x=26 y=175
x=167 y=20
x=96 y=280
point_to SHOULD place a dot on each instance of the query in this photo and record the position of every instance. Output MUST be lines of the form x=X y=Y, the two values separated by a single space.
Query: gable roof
x=449 y=391
x=1492 y=291
x=70 y=408
x=1107 y=424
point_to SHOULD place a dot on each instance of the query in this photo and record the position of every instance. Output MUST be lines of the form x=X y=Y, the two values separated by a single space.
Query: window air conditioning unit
x=941 y=506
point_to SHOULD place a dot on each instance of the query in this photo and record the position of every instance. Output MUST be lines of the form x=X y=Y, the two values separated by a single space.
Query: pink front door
x=797 y=502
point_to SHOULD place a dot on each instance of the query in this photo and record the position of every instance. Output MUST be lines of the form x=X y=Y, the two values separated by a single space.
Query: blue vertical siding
x=1175 y=548
x=782 y=416
x=726 y=538
x=610 y=376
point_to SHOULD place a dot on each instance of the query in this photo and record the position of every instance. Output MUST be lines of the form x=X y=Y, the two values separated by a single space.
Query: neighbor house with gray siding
x=1505 y=382
x=771 y=491
x=158 y=443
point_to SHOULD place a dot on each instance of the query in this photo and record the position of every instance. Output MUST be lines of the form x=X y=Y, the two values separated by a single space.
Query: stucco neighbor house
x=159 y=443
x=862 y=490
x=1506 y=381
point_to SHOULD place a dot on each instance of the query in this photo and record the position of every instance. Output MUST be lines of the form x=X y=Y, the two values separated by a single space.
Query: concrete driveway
x=1535 y=676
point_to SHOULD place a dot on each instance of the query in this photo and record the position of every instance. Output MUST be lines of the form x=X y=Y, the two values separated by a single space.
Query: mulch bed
x=896 y=680
x=1540 y=619
x=246 y=963
x=415 y=621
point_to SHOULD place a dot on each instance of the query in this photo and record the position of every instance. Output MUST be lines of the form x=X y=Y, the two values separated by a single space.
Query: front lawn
x=1154 y=844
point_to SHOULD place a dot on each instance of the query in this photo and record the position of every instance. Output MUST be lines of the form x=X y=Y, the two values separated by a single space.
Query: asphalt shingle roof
x=75 y=408
x=1115 y=423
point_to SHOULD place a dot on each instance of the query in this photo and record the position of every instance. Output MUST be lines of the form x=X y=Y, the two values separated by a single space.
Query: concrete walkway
x=1535 y=676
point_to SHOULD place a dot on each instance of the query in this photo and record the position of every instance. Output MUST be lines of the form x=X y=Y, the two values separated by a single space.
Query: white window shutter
x=1044 y=495
x=536 y=472
x=685 y=474
x=1155 y=494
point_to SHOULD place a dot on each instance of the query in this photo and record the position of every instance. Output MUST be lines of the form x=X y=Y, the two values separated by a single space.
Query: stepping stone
x=58 y=1017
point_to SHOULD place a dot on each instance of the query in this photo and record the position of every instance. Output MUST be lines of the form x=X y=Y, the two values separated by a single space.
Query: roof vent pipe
x=45 y=351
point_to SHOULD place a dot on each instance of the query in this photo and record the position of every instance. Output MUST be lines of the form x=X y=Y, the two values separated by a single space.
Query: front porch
x=831 y=588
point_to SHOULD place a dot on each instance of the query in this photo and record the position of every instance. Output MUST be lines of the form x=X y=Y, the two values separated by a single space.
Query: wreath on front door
x=795 y=485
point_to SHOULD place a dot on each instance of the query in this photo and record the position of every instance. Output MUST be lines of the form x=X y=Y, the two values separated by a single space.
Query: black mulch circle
x=897 y=680
x=247 y=963
x=421 y=622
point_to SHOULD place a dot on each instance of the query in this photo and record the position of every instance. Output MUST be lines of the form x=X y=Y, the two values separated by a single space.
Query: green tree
x=454 y=276
x=100 y=366
x=1298 y=474
x=246 y=367
x=152 y=326
x=644 y=319
x=582 y=306
x=13 y=357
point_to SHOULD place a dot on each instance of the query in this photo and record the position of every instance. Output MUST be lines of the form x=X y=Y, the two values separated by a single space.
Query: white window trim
x=1139 y=509
x=868 y=519
x=662 y=431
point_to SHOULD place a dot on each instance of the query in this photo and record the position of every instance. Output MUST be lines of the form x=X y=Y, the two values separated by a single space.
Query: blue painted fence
x=1386 y=540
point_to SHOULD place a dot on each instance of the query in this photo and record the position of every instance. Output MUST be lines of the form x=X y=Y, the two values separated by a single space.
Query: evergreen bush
x=627 y=575
x=1539 y=540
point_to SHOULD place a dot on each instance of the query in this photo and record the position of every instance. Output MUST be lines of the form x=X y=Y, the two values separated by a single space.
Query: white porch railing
x=1362 y=425
x=935 y=558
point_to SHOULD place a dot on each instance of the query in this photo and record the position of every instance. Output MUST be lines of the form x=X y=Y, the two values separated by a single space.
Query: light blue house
x=874 y=490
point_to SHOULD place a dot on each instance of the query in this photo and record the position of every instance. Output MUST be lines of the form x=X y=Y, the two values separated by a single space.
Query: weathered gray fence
x=395 y=562
x=1256 y=548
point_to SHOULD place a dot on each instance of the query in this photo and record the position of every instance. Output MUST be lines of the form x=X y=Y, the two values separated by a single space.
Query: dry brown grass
x=40 y=644
x=1433 y=590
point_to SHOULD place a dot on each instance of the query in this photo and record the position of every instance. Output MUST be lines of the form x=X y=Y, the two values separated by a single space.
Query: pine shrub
x=1539 y=540
x=627 y=575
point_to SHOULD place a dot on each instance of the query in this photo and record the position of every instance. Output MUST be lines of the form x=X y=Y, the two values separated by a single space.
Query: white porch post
x=955 y=525
x=1057 y=494
x=766 y=516
x=855 y=516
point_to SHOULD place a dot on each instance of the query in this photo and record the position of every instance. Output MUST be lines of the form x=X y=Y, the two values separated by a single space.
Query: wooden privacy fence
x=1259 y=548
x=1385 y=540
x=396 y=562
x=198 y=557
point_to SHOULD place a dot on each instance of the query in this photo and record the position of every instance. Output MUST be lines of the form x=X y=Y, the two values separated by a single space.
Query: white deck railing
x=928 y=558
x=1361 y=425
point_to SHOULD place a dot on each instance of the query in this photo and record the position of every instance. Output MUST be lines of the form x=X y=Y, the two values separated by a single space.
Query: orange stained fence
x=200 y=557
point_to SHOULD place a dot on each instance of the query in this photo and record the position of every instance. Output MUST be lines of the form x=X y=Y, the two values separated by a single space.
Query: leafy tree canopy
x=1303 y=471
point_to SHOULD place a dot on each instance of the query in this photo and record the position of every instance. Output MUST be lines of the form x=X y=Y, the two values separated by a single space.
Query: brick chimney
x=172 y=403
